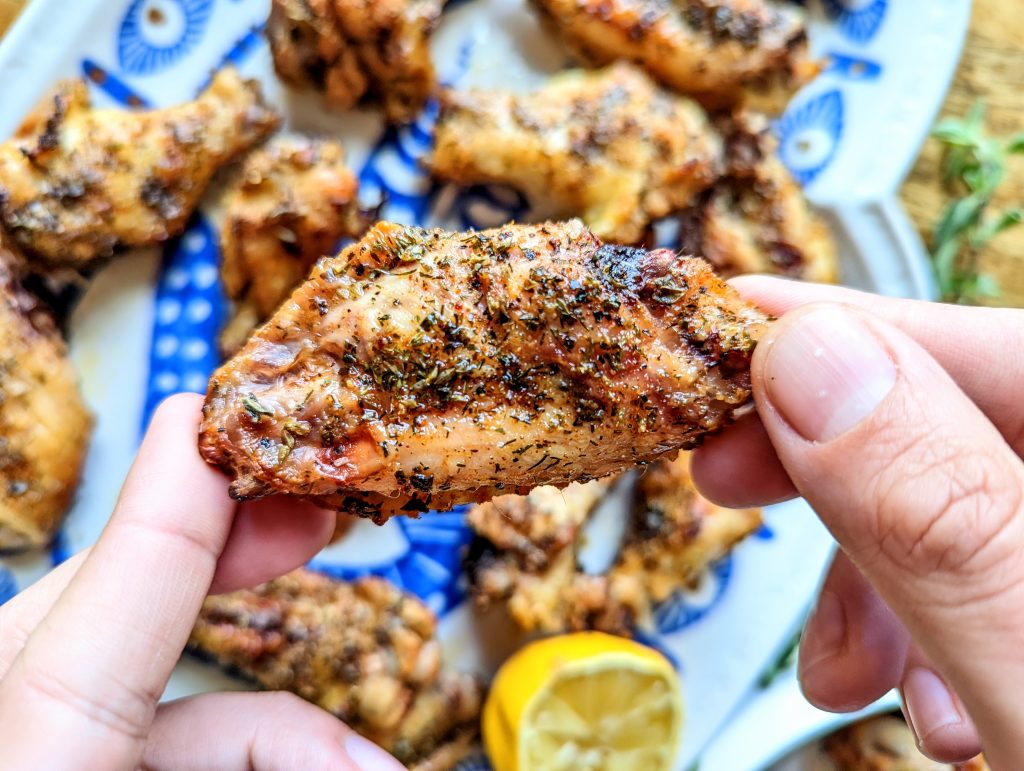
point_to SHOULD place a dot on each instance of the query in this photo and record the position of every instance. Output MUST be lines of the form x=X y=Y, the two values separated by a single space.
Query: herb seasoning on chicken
x=420 y=369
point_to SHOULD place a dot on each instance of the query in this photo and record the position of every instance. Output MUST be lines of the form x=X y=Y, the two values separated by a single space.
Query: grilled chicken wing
x=294 y=202
x=756 y=219
x=349 y=49
x=883 y=744
x=420 y=369
x=44 y=424
x=722 y=52
x=363 y=651
x=673 y=534
x=76 y=184
x=609 y=146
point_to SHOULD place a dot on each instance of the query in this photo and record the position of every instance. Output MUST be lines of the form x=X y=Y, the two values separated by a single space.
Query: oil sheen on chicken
x=77 y=183
x=420 y=369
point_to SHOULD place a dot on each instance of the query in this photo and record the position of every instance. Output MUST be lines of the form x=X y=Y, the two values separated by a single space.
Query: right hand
x=902 y=424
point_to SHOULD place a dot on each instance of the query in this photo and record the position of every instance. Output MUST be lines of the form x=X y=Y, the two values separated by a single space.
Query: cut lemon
x=583 y=702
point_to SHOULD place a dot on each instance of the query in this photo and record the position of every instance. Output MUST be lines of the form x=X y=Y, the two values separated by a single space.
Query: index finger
x=93 y=670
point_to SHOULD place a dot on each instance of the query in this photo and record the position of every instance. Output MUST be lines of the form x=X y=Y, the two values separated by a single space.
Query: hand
x=86 y=653
x=902 y=423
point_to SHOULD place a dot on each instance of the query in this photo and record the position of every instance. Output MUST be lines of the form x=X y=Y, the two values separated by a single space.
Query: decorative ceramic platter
x=147 y=325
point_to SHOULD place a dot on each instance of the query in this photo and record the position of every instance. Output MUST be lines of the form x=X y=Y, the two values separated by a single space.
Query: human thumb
x=917 y=486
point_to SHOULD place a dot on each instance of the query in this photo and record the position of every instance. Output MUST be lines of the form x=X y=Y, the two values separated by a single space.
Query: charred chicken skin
x=611 y=147
x=294 y=201
x=721 y=52
x=44 y=424
x=364 y=651
x=351 y=49
x=420 y=369
x=77 y=184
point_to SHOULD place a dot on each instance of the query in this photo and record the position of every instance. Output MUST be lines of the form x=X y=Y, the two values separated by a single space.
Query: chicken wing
x=756 y=218
x=44 y=424
x=420 y=369
x=883 y=744
x=673 y=534
x=350 y=49
x=76 y=184
x=364 y=651
x=721 y=52
x=609 y=146
x=294 y=202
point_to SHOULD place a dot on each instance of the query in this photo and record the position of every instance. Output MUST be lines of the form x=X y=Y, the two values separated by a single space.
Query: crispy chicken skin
x=294 y=201
x=364 y=651
x=351 y=49
x=883 y=744
x=420 y=369
x=44 y=424
x=756 y=219
x=673 y=535
x=77 y=183
x=610 y=146
x=721 y=52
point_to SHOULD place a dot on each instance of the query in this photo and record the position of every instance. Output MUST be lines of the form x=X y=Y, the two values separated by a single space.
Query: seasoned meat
x=722 y=52
x=420 y=369
x=610 y=147
x=756 y=219
x=44 y=424
x=883 y=744
x=351 y=49
x=76 y=184
x=292 y=204
x=673 y=534
x=364 y=651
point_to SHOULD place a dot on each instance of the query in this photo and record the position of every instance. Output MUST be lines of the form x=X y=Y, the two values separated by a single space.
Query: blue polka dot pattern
x=8 y=586
x=809 y=133
x=188 y=312
x=859 y=21
x=157 y=33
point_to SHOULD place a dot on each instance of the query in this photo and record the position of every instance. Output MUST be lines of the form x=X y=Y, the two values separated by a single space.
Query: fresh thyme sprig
x=973 y=167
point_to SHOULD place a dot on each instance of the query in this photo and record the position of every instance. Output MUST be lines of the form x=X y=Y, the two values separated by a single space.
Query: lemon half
x=584 y=702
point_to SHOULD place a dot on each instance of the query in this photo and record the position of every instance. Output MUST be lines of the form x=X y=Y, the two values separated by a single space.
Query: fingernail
x=825 y=632
x=367 y=756
x=928 y=702
x=826 y=372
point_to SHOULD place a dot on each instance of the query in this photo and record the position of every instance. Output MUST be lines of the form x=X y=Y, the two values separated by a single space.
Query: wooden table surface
x=992 y=69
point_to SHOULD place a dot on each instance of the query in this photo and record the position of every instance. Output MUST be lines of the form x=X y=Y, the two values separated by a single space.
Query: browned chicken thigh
x=420 y=369
x=350 y=49
x=44 y=424
x=77 y=183
x=721 y=52
x=611 y=147
x=364 y=651
x=294 y=201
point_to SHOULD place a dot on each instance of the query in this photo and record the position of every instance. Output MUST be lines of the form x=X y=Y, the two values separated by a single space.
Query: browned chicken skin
x=756 y=219
x=76 y=184
x=420 y=369
x=294 y=201
x=884 y=744
x=722 y=52
x=350 y=49
x=611 y=147
x=673 y=535
x=364 y=651
x=44 y=424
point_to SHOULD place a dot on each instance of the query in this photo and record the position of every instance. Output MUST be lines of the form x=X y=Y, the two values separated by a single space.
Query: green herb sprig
x=973 y=167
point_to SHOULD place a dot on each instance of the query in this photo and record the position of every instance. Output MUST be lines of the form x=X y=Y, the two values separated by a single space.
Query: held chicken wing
x=76 y=184
x=44 y=424
x=721 y=52
x=350 y=49
x=363 y=651
x=609 y=146
x=294 y=202
x=420 y=369
x=756 y=218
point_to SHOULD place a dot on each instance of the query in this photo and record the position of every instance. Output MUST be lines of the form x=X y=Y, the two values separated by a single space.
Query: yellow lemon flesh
x=584 y=702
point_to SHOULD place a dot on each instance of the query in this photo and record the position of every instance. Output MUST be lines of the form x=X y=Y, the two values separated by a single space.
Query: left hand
x=85 y=653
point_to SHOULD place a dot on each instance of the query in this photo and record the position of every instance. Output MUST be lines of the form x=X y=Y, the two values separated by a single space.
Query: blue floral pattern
x=683 y=609
x=809 y=133
x=156 y=33
x=8 y=586
x=858 y=19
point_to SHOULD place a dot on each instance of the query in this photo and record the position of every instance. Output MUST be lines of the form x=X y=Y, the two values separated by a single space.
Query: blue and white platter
x=147 y=325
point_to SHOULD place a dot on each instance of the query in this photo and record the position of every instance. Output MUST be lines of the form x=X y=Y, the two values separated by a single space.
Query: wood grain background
x=992 y=69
